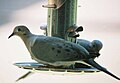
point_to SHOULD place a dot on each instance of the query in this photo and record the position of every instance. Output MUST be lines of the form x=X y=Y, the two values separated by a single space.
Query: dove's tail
x=96 y=65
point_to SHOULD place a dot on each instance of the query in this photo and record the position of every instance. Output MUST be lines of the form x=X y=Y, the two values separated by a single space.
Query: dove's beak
x=11 y=35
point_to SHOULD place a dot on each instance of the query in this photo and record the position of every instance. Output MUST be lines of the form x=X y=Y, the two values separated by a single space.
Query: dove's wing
x=51 y=49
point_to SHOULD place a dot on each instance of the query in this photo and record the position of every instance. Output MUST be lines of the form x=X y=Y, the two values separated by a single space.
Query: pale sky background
x=100 y=19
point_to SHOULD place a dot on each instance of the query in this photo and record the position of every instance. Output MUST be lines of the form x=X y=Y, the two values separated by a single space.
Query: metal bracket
x=73 y=31
x=49 y=6
x=56 y=4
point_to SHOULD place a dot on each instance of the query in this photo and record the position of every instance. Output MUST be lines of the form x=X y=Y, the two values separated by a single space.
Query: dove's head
x=20 y=31
x=97 y=45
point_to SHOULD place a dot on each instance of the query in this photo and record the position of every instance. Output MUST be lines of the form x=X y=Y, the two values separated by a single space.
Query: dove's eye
x=19 y=29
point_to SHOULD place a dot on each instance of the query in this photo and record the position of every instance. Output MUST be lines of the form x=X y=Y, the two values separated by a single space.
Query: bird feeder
x=61 y=22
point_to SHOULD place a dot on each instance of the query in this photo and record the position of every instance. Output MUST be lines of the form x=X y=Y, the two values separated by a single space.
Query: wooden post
x=62 y=14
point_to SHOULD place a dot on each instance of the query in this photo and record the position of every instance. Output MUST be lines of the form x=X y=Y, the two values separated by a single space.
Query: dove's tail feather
x=96 y=65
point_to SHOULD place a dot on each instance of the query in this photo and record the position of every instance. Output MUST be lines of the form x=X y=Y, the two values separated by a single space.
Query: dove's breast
x=29 y=43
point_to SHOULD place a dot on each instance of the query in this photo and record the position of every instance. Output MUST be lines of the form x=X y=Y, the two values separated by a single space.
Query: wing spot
x=58 y=51
x=53 y=48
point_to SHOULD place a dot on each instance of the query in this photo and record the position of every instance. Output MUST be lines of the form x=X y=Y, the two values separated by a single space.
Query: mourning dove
x=51 y=50
x=92 y=47
x=55 y=51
